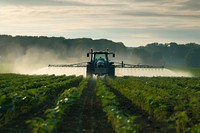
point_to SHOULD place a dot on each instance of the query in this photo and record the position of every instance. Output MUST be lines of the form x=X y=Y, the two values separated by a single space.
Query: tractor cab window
x=100 y=57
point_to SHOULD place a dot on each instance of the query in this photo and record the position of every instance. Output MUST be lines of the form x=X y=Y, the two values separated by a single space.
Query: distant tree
x=142 y=54
x=157 y=56
x=193 y=58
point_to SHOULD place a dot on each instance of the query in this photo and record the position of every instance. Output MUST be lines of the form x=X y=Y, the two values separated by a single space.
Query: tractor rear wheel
x=112 y=72
x=89 y=70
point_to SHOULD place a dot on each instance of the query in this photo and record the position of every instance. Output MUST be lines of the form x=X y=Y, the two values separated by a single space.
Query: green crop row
x=53 y=116
x=10 y=85
x=121 y=122
x=18 y=103
x=11 y=76
x=179 y=105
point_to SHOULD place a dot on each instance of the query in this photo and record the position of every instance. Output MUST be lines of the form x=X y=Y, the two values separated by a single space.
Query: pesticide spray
x=120 y=72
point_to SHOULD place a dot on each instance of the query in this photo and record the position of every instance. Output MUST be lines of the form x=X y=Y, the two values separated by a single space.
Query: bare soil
x=86 y=116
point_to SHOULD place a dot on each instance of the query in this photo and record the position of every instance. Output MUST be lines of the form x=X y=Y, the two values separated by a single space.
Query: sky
x=133 y=22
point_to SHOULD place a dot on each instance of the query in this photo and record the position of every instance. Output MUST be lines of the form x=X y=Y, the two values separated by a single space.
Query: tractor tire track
x=86 y=116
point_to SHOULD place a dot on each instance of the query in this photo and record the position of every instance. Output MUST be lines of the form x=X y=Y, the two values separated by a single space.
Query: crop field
x=74 y=104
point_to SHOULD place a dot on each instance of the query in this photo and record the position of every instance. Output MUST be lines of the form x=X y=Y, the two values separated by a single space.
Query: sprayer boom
x=123 y=65
x=82 y=64
x=100 y=64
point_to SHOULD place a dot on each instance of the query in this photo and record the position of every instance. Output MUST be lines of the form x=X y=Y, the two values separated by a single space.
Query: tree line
x=171 y=54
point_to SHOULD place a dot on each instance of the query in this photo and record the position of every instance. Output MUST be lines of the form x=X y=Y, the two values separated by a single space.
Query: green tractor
x=100 y=64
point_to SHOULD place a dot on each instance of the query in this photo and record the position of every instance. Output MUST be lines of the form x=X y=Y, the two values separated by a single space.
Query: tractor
x=100 y=64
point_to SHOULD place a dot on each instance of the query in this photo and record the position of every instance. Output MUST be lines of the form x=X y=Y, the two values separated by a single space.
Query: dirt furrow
x=147 y=123
x=86 y=116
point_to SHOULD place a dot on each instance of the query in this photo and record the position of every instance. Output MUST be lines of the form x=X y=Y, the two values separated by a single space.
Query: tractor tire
x=89 y=71
x=112 y=72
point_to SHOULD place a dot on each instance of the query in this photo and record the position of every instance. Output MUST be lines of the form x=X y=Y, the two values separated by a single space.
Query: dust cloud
x=35 y=60
x=138 y=72
x=61 y=71
x=17 y=59
x=150 y=72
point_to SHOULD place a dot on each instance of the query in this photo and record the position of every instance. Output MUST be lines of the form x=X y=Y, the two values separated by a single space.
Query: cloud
x=191 y=5
x=78 y=3
x=160 y=14
x=40 y=2
x=175 y=5
x=113 y=19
